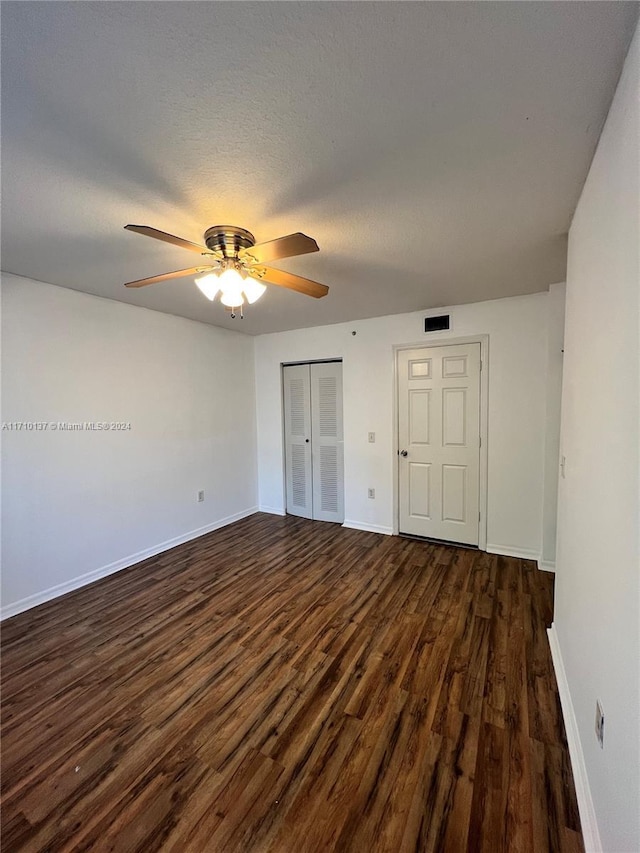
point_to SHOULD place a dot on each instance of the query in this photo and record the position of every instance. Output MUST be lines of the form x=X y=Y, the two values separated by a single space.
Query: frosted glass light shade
x=209 y=284
x=230 y=279
x=253 y=290
x=232 y=300
x=231 y=286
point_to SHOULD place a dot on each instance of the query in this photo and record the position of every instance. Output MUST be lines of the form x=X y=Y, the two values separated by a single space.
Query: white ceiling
x=435 y=151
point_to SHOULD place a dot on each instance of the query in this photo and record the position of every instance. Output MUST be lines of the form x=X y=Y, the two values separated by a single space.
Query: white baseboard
x=110 y=569
x=511 y=551
x=547 y=565
x=368 y=528
x=272 y=510
x=588 y=820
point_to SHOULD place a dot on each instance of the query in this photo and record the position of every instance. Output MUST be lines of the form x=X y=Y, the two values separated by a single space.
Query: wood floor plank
x=518 y=819
x=282 y=684
x=489 y=804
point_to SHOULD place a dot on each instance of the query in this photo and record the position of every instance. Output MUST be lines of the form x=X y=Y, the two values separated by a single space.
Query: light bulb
x=253 y=290
x=209 y=284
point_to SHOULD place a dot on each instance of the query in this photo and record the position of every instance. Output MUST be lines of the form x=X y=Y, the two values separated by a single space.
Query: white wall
x=555 y=344
x=598 y=564
x=84 y=503
x=517 y=330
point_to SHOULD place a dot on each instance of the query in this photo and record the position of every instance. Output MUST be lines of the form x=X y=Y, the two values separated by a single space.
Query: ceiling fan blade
x=143 y=282
x=167 y=238
x=283 y=247
x=292 y=282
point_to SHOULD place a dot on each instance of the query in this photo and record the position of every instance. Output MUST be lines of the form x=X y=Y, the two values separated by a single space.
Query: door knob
x=306 y=441
x=403 y=453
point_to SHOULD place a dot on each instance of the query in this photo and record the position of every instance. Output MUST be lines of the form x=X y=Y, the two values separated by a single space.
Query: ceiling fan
x=238 y=270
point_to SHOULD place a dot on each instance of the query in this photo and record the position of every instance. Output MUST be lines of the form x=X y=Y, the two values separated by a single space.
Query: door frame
x=483 y=340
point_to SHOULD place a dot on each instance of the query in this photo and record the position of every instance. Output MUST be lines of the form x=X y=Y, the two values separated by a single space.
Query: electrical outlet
x=372 y=493
x=372 y=437
x=201 y=496
x=600 y=724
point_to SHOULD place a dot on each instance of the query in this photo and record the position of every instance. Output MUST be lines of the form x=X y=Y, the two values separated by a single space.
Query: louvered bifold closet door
x=327 y=441
x=297 y=432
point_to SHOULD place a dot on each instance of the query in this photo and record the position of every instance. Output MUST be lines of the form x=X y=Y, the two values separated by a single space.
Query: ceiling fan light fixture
x=209 y=285
x=231 y=283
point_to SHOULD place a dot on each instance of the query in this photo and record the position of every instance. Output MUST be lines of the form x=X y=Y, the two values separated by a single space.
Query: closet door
x=297 y=437
x=327 y=441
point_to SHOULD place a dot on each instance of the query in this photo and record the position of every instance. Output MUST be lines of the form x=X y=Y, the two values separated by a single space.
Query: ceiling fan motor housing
x=228 y=239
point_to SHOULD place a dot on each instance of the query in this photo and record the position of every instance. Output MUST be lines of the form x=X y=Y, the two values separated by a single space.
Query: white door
x=439 y=442
x=327 y=447
x=297 y=432
x=314 y=457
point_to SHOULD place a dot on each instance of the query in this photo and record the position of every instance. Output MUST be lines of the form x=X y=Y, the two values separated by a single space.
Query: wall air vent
x=437 y=324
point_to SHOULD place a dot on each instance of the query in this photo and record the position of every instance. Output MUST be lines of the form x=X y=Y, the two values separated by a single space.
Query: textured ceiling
x=435 y=151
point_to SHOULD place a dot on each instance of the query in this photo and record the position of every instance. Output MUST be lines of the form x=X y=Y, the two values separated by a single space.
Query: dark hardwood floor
x=287 y=685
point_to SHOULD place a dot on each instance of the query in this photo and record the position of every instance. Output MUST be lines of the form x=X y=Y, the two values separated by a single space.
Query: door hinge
x=479 y=441
x=479 y=516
